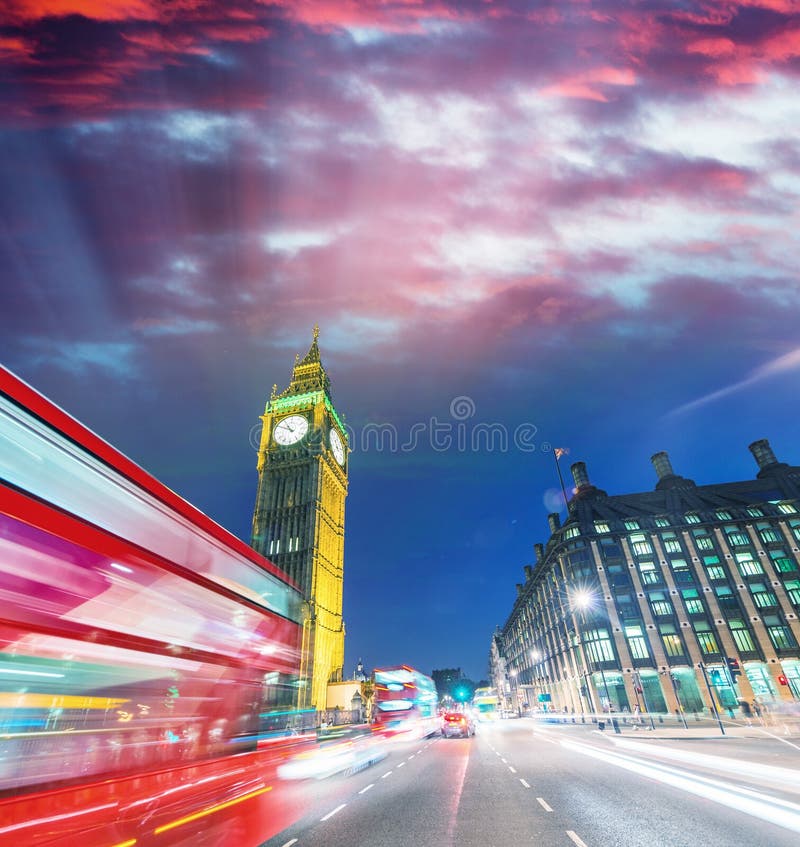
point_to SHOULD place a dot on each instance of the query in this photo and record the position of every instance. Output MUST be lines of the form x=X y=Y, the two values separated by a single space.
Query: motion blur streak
x=129 y=843
x=456 y=799
x=784 y=776
x=211 y=810
x=771 y=809
x=53 y=818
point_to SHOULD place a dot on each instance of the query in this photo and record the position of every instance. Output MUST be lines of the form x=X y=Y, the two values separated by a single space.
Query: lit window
x=762 y=596
x=660 y=605
x=637 y=642
x=748 y=566
x=572 y=532
x=724 y=515
x=780 y=634
x=662 y=522
x=692 y=518
x=679 y=564
x=741 y=635
x=672 y=545
x=631 y=524
x=705 y=638
x=769 y=536
x=704 y=543
x=782 y=562
x=755 y=512
x=787 y=508
x=601 y=526
x=793 y=590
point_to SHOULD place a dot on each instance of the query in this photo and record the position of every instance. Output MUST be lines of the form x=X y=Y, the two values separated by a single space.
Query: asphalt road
x=519 y=783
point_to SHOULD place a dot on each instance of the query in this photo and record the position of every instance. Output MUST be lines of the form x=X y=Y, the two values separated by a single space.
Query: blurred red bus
x=144 y=650
x=405 y=700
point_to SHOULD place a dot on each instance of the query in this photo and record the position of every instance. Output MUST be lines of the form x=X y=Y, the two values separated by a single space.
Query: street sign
x=545 y=698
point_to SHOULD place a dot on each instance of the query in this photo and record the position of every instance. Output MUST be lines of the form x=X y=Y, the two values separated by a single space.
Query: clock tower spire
x=298 y=521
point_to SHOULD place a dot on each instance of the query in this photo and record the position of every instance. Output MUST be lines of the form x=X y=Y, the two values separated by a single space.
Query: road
x=518 y=782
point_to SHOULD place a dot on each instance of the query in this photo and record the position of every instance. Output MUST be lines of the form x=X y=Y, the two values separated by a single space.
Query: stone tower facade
x=298 y=521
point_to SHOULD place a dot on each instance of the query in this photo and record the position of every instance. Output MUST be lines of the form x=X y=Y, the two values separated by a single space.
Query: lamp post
x=582 y=600
x=514 y=691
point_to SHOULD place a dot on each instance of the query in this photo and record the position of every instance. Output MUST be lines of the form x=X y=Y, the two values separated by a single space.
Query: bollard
x=601 y=724
x=615 y=724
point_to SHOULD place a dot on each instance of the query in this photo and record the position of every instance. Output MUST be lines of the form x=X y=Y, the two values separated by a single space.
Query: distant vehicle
x=460 y=724
x=405 y=701
x=347 y=750
x=487 y=704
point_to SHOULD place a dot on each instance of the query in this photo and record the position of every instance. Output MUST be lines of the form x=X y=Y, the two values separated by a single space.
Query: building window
x=662 y=522
x=705 y=638
x=755 y=512
x=793 y=590
x=724 y=515
x=704 y=543
x=779 y=634
x=572 y=532
x=769 y=536
x=692 y=518
x=782 y=562
x=762 y=596
x=736 y=537
x=650 y=575
x=672 y=545
x=748 y=566
x=672 y=644
x=741 y=636
x=795 y=527
x=660 y=605
x=787 y=508
x=598 y=645
x=641 y=546
x=637 y=642
x=601 y=526
x=631 y=524
x=694 y=605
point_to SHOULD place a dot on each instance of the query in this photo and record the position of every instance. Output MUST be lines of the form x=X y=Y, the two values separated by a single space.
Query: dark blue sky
x=579 y=221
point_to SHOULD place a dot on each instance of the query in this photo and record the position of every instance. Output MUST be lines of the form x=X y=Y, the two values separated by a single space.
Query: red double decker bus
x=405 y=700
x=144 y=651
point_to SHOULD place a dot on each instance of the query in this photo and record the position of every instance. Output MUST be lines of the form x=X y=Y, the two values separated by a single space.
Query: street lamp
x=582 y=599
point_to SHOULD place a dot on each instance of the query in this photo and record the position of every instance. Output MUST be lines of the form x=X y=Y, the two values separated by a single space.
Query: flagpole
x=556 y=453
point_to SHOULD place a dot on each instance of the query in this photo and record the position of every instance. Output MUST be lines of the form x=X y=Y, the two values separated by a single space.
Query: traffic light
x=782 y=679
x=733 y=667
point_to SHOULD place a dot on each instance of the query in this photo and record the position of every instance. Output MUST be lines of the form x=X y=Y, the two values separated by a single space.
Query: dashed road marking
x=402 y=764
x=513 y=770
x=503 y=760
x=575 y=838
x=543 y=804
x=331 y=814
x=524 y=783
x=386 y=774
x=363 y=791
x=289 y=843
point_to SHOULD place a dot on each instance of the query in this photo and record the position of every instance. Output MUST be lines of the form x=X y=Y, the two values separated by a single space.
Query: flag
x=561 y=451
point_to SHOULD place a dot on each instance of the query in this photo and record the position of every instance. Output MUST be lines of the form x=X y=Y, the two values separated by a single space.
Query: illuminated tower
x=298 y=522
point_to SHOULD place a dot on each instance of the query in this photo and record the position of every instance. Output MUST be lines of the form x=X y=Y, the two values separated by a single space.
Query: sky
x=518 y=225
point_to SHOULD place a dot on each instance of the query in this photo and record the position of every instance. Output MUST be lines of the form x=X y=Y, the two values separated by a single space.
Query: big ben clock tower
x=298 y=522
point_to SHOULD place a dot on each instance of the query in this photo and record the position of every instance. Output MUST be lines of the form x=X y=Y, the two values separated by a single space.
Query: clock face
x=290 y=430
x=337 y=447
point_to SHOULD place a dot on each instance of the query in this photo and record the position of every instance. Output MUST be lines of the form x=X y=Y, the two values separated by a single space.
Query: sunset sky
x=576 y=220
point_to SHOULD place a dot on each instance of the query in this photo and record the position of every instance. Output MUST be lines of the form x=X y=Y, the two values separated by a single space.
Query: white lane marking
x=289 y=843
x=503 y=760
x=331 y=814
x=386 y=774
x=575 y=838
x=544 y=805
x=755 y=803
x=363 y=791
x=411 y=756
x=402 y=764
x=513 y=770
x=524 y=783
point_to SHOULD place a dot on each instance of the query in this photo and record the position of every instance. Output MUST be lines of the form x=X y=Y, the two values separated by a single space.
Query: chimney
x=528 y=572
x=519 y=589
x=554 y=521
x=539 y=550
x=763 y=454
x=580 y=476
x=662 y=465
